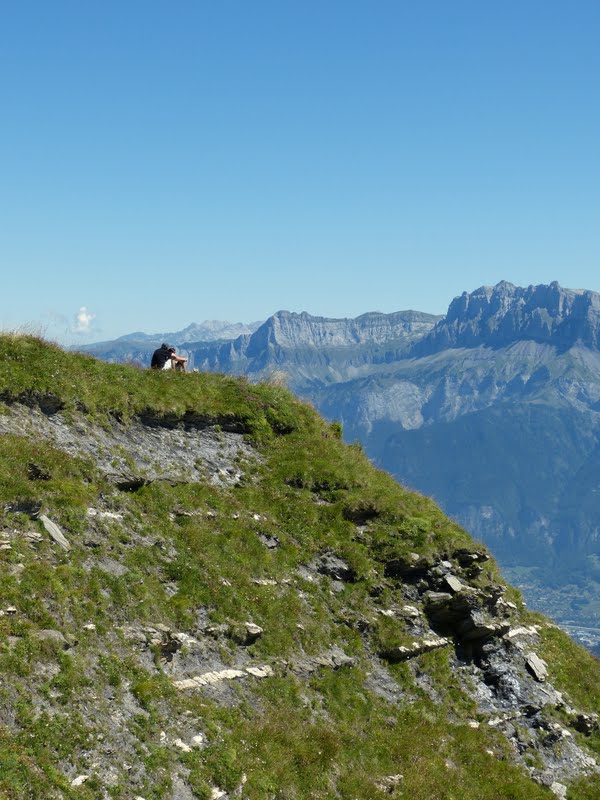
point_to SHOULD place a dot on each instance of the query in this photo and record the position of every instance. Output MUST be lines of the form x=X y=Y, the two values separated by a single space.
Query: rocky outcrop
x=334 y=658
x=414 y=649
x=335 y=567
x=536 y=667
x=219 y=676
x=496 y=316
x=246 y=634
x=150 y=448
x=290 y=330
x=303 y=344
x=55 y=532
x=495 y=661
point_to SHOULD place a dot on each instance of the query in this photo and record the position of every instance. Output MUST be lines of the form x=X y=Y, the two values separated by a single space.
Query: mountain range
x=492 y=409
x=136 y=346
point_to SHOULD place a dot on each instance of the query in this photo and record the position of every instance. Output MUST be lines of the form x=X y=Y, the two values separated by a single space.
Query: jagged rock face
x=290 y=330
x=498 y=315
x=316 y=348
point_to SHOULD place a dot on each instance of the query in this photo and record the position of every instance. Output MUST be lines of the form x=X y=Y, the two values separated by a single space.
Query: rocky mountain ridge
x=208 y=331
x=329 y=346
x=496 y=316
x=291 y=330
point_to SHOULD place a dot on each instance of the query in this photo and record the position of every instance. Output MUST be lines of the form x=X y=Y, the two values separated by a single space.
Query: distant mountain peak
x=207 y=331
x=293 y=329
x=497 y=315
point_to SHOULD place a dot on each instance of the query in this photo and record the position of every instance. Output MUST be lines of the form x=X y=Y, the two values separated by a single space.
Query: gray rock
x=33 y=537
x=379 y=681
x=437 y=598
x=476 y=626
x=246 y=634
x=331 y=659
x=333 y=566
x=558 y=789
x=180 y=790
x=109 y=565
x=410 y=566
x=586 y=724
x=166 y=448
x=37 y=473
x=411 y=611
x=55 y=532
x=536 y=667
x=467 y=558
x=406 y=652
x=30 y=507
x=463 y=615
x=454 y=584
x=388 y=784
x=253 y=631
x=270 y=541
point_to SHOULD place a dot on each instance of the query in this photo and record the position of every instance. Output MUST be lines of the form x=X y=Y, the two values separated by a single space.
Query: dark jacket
x=160 y=357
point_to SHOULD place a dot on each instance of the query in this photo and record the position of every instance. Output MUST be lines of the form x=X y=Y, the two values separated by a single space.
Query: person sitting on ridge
x=165 y=358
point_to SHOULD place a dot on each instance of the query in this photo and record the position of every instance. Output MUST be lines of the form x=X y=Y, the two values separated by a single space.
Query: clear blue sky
x=168 y=162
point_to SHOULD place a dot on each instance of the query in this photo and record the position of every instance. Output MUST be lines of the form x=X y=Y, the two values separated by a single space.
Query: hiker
x=165 y=358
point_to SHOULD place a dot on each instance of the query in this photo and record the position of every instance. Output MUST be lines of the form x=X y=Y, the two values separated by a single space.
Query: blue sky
x=169 y=162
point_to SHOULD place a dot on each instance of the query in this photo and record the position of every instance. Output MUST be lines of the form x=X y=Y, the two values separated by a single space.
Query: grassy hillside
x=293 y=576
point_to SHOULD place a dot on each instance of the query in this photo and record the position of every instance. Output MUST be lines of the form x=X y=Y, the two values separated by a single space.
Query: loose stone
x=537 y=667
x=55 y=532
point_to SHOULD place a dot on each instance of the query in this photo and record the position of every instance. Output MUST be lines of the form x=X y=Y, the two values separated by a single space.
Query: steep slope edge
x=205 y=593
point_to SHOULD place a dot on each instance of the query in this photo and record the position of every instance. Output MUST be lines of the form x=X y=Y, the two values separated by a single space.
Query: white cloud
x=83 y=320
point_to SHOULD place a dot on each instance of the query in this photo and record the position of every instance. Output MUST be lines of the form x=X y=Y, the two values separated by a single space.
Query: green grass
x=35 y=372
x=321 y=737
x=572 y=669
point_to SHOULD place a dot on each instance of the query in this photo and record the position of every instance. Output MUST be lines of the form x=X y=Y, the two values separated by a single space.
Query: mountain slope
x=441 y=402
x=207 y=594
x=499 y=421
x=504 y=389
